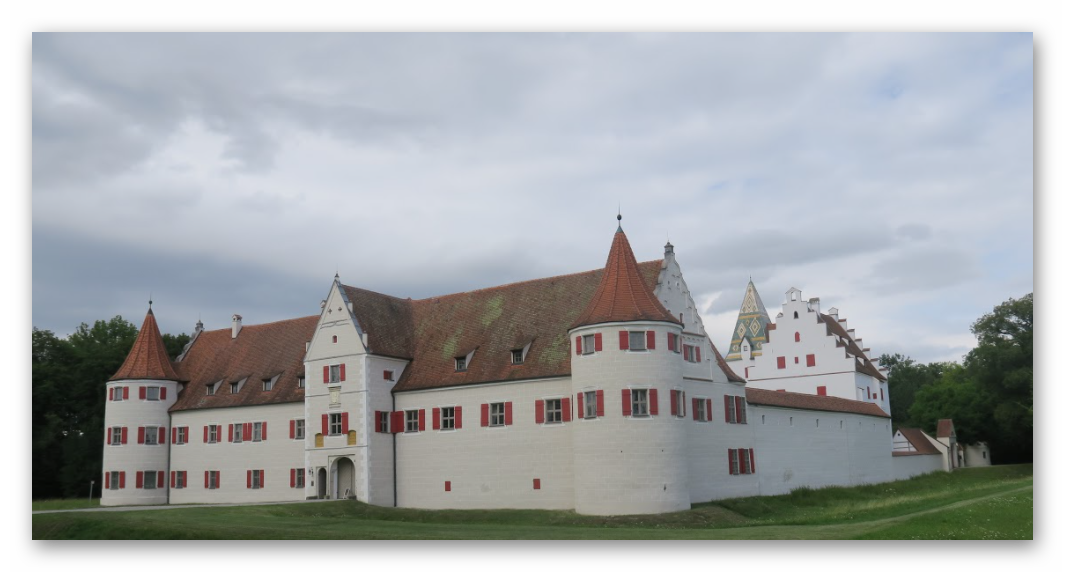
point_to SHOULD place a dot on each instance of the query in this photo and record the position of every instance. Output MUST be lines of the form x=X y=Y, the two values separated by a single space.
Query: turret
x=137 y=431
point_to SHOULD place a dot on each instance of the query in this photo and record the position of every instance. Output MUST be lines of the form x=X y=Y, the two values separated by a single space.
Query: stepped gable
x=919 y=441
x=815 y=402
x=751 y=324
x=862 y=361
x=147 y=359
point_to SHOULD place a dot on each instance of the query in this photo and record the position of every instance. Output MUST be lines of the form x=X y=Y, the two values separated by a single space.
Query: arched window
x=796 y=336
x=796 y=314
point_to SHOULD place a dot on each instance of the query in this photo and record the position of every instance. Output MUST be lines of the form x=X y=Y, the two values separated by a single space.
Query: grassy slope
x=891 y=510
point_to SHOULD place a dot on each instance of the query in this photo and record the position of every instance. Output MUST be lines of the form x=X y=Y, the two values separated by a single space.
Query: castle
x=598 y=391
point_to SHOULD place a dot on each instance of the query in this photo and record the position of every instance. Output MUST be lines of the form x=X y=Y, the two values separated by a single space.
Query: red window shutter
x=652 y=396
x=140 y=479
x=125 y=393
x=140 y=435
x=670 y=344
x=124 y=430
x=292 y=478
x=484 y=415
x=732 y=468
x=508 y=413
x=796 y=336
x=264 y=430
x=111 y=394
x=447 y=486
x=536 y=484
x=694 y=407
x=173 y=435
x=162 y=393
x=377 y=421
x=344 y=423
x=160 y=479
x=539 y=411
x=325 y=374
x=698 y=354
x=566 y=415
x=249 y=478
x=747 y=373
x=810 y=360
x=599 y=342
x=421 y=420
x=398 y=422
x=162 y=435
x=822 y=390
x=709 y=411
x=207 y=479
x=650 y=340
x=107 y=479
x=781 y=364
x=579 y=349
x=580 y=405
x=292 y=427
x=751 y=452
x=343 y=375
x=599 y=402
x=672 y=401
x=108 y=436
x=247 y=431
x=458 y=417
x=143 y=392
x=325 y=424
x=122 y=479
x=626 y=402
x=230 y=432
x=436 y=419
x=623 y=340
x=262 y=478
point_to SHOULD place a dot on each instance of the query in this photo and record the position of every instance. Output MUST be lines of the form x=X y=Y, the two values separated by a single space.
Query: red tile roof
x=258 y=352
x=815 y=402
x=622 y=296
x=917 y=438
x=944 y=428
x=862 y=362
x=147 y=359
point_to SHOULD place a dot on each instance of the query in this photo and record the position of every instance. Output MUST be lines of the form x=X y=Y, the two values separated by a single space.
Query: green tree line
x=69 y=393
x=989 y=395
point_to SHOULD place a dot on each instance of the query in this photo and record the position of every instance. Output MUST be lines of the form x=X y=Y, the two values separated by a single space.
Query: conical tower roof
x=148 y=358
x=622 y=295
x=751 y=324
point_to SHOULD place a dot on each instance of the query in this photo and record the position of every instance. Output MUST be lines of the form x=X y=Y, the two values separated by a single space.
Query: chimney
x=236 y=325
x=834 y=312
x=815 y=305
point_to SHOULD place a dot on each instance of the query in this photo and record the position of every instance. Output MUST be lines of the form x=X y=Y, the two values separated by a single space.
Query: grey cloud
x=922 y=269
x=914 y=231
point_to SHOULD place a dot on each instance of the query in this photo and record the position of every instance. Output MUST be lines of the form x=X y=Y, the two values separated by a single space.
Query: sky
x=890 y=175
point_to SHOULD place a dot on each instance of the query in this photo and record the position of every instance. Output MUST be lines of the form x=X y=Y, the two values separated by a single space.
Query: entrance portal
x=343 y=478
x=321 y=483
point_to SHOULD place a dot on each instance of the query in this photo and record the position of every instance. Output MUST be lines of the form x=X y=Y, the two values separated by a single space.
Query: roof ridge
x=246 y=326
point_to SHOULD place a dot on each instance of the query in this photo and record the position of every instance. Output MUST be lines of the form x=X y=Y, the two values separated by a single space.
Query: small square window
x=268 y=384
x=152 y=394
x=234 y=387
x=116 y=395
x=590 y=405
x=497 y=417
x=336 y=424
x=553 y=410
x=412 y=421
x=212 y=387
x=151 y=435
x=637 y=341
x=390 y=375
x=447 y=418
x=517 y=357
x=588 y=344
x=460 y=363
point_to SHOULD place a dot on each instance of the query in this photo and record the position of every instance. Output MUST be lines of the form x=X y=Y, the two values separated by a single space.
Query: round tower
x=137 y=433
x=629 y=451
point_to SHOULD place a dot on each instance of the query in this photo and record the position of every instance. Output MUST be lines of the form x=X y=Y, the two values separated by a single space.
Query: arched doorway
x=321 y=483
x=343 y=474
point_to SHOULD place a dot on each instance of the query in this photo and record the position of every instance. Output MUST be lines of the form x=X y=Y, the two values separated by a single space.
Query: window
x=150 y=479
x=211 y=432
x=412 y=421
x=179 y=479
x=733 y=461
x=151 y=435
x=258 y=431
x=301 y=382
x=553 y=410
x=268 y=384
x=673 y=342
x=118 y=393
x=797 y=337
x=763 y=420
x=238 y=432
x=114 y=479
x=234 y=387
x=255 y=479
x=735 y=409
x=637 y=341
x=383 y=419
x=335 y=339
x=447 y=418
x=692 y=353
x=389 y=375
x=589 y=344
x=811 y=360
x=517 y=357
x=796 y=315
x=212 y=479
x=639 y=403
x=180 y=435
x=590 y=408
x=676 y=403
x=212 y=387
x=497 y=415
x=781 y=362
x=151 y=393
x=296 y=478
x=115 y=435
x=460 y=363
x=336 y=424
x=334 y=374
x=822 y=390
x=741 y=461
x=298 y=428
x=699 y=412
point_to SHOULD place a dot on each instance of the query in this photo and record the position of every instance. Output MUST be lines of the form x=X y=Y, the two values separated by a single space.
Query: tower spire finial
x=149 y=301
x=619 y=218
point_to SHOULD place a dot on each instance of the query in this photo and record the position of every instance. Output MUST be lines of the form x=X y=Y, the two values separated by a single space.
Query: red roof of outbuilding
x=921 y=443
x=816 y=402
x=147 y=359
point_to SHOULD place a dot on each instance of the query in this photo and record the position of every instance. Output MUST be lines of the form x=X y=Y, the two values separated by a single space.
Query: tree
x=905 y=379
x=175 y=344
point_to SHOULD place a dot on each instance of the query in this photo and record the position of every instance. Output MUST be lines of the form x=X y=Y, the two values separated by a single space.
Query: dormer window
x=213 y=387
x=460 y=363
x=301 y=382
x=234 y=387
x=268 y=384
x=517 y=357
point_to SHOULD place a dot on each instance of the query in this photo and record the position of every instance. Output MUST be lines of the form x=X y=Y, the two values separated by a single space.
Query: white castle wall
x=275 y=456
x=379 y=445
x=709 y=442
x=133 y=457
x=802 y=448
x=906 y=466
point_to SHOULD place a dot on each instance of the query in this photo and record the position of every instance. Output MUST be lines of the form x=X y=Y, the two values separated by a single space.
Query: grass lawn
x=65 y=504
x=994 y=502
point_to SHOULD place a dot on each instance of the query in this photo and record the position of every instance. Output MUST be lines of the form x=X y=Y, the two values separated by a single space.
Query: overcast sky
x=889 y=175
